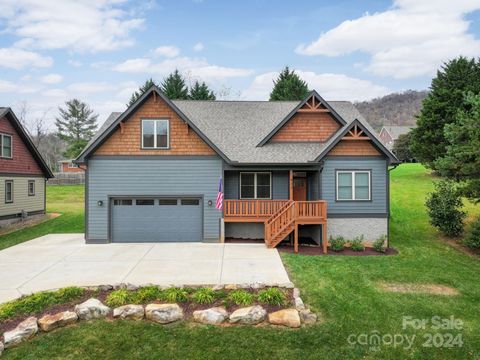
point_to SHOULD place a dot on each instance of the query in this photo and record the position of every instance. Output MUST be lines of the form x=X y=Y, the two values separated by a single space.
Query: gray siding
x=279 y=184
x=176 y=176
x=21 y=199
x=378 y=204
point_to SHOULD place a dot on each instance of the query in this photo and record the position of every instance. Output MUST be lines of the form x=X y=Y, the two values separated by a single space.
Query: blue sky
x=101 y=50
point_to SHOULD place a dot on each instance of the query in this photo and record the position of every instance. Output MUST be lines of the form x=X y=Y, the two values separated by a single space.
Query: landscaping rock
x=287 y=285
x=231 y=287
x=296 y=293
x=299 y=305
x=257 y=285
x=163 y=313
x=1 y=348
x=250 y=315
x=91 y=309
x=50 y=322
x=118 y=286
x=105 y=287
x=131 y=287
x=212 y=316
x=286 y=317
x=129 y=312
x=307 y=317
x=218 y=287
x=24 y=331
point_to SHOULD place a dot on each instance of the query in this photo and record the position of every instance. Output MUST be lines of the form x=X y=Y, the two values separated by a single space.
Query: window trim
x=28 y=187
x=11 y=146
x=155 y=134
x=353 y=173
x=12 y=191
x=254 y=185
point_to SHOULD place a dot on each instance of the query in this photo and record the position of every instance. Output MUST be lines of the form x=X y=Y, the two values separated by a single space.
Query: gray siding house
x=287 y=170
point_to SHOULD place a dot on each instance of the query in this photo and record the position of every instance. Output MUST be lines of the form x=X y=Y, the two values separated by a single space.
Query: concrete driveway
x=59 y=260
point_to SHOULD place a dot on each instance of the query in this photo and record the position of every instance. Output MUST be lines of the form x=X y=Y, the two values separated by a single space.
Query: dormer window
x=5 y=146
x=155 y=134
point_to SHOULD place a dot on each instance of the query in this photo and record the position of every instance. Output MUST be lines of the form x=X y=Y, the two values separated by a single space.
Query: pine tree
x=288 y=86
x=201 y=92
x=141 y=90
x=441 y=107
x=76 y=126
x=174 y=87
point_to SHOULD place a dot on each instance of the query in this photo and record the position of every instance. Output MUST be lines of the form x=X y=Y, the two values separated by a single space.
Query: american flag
x=219 y=204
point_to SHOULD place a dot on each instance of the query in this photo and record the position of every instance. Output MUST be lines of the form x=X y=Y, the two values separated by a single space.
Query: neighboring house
x=313 y=166
x=68 y=166
x=389 y=134
x=23 y=172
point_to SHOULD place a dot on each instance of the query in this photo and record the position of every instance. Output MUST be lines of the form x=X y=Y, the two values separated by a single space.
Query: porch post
x=291 y=185
x=295 y=242
x=324 y=237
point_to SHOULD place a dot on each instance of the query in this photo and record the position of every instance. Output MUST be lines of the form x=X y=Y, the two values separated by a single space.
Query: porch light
x=100 y=203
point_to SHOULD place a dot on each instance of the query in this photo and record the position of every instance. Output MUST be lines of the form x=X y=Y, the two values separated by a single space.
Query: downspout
x=388 y=199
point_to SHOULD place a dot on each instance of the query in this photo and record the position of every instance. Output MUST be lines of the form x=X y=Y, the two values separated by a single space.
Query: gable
x=22 y=162
x=354 y=148
x=126 y=139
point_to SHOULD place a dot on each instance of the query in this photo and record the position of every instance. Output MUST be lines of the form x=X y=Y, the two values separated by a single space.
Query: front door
x=300 y=188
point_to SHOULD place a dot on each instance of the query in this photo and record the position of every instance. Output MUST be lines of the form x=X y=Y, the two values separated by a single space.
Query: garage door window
x=167 y=202
x=142 y=202
x=190 y=202
x=122 y=202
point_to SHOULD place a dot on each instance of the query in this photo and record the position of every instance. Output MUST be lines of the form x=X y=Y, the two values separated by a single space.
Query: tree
x=201 y=92
x=174 y=87
x=401 y=147
x=288 y=86
x=461 y=161
x=76 y=126
x=141 y=90
x=441 y=107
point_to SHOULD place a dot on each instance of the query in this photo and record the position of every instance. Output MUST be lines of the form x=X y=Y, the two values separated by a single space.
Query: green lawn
x=343 y=289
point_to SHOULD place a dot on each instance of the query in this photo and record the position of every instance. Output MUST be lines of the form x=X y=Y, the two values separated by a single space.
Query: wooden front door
x=300 y=188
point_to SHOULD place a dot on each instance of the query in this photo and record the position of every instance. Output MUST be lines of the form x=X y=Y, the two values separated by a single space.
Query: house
x=388 y=134
x=69 y=166
x=306 y=168
x=23 y=172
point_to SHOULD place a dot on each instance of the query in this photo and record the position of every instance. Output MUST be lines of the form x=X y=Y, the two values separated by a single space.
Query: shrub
x=444 y=208
x=146 y=294
x=38 y=302
x=118 y=298
x=472 y=240
x=337 y=243
x=380 y=244
x=357 y=243
x=175 y=295
x=271 y=296
x=241 y=297
x=204 y=296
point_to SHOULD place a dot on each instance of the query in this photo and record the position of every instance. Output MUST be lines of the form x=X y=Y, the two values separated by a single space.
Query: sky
x=100 y=51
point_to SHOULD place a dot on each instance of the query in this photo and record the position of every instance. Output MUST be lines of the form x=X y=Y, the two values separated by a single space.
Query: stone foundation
x=370 y=228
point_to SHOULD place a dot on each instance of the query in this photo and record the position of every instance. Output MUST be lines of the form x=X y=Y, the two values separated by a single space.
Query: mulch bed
x=317 y=251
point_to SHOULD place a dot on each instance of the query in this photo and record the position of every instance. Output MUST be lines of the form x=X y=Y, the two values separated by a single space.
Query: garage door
x=156 y=219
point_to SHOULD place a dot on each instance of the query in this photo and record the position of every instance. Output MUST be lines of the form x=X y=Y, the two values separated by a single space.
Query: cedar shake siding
x=303 y=127
x=22 y=162
x=354 y=148
x=183 y=140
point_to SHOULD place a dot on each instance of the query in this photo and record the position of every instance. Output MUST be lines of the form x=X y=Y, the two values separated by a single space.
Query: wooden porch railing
x=311 y=209
x=252 y=208
x=280 y=224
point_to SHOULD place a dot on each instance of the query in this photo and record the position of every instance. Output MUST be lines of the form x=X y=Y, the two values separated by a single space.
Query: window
x=155 y=134
x=145 y=202
x=8 y=191
x=167 y=202
x=255 y=185
x=122 y=202
x=72 y=165
x=31 y=187
x=353 y=185
x=190 y=202
x=5 y=146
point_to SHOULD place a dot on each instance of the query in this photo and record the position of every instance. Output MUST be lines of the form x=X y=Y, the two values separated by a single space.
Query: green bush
x=472 y=240
x=118 y=297
x=146 y=294
x=204 y=296
x=357 y=243
x=380 y=244
x=175 y=295
x=337 y=243
x=272 y=296
x=241 y=297
x=444 y=206
x=38 y=302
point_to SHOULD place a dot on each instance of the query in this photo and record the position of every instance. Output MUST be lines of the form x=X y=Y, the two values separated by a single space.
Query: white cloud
x=51 y=79
x=198 y=47
x=83 y=25
x=329 y=86
x=85 y=88
x=191 y=66
x=75 y=63
x=55 y=93
x=11 y=87
x=412 y=38
x=167 y=51
x=17 y=59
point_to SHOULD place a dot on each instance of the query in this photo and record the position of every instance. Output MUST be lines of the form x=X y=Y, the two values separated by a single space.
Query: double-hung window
x=31 y=187
x=155 y=134
x=6 y=146
x=353 y=185
x=8 y=191
x=255 y=185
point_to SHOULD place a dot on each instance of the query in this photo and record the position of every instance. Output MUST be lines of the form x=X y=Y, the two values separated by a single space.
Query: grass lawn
x=343 y=289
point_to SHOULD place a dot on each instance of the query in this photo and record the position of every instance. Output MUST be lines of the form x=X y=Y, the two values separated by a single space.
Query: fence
x=67 y=179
